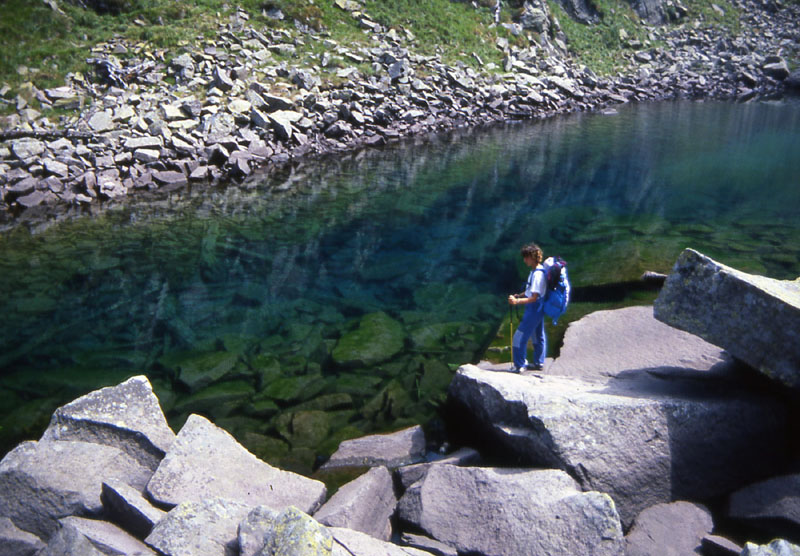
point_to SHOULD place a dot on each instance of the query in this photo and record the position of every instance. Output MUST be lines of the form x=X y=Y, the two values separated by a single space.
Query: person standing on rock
x=532 y=323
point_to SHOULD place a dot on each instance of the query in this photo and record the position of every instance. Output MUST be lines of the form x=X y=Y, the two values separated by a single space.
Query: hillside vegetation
x=43 y=41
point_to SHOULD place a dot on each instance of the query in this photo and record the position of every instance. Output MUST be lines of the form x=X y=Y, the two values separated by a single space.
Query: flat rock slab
x=365 y=504
x=68 y=541
x=392 y=450
x=530 y=512
x=126 y=506
x=41 y=482
x=109 y=538
x=410 y=474
x=605 y=344
x=355 y=543
x=756 y=319
x=674 y=529
x=644 y=440
x=206 y=462
x=127 y=416
x=202 y=528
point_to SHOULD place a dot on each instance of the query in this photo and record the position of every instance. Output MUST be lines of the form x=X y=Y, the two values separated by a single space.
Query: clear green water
x=336 y=299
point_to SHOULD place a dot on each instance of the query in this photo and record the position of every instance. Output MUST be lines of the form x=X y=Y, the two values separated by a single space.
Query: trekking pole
x=511 y=333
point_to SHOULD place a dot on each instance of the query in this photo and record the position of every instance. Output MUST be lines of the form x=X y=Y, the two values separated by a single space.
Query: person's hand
x=512 y=300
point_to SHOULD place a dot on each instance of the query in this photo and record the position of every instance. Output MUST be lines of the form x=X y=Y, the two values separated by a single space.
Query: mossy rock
x=199 y=369
x=360 y=386
x=432 y=337
x=388 y=404
x=378 y=338
x=309 y=428
x=326 y=402
x=261 y=407
x=265 y=447
x=295 y=388
x=266 y=368
x=212 y=398
x=436 y=377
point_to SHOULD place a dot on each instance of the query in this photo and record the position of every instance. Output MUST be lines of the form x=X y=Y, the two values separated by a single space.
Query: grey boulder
x=674 y=529
x=355 y=543
x=295 y=533
x=253 y=529
x=778 y=547
x=41 y=482
x=755 y=318
x=205 y=462
x=645 y=438
x=365 y=504
x=772 y=506
x=107 y=537
x=410 y=474
x=201 y=528
x=530 y=512
x=16 y=542
x=68 y=541
x=127 y=416
x=127 y=507
x=392 y=450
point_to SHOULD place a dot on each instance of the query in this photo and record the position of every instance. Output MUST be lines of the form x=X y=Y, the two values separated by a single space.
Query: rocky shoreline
x=639 y=439
x=235 y=107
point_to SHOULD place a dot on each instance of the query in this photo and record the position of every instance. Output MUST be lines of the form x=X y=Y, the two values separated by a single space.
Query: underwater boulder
x=377 y=338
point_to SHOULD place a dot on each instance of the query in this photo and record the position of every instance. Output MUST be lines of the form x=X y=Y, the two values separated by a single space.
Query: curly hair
x=533 y=251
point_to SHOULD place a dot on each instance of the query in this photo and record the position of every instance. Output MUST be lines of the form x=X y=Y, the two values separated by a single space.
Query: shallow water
x=337 y=298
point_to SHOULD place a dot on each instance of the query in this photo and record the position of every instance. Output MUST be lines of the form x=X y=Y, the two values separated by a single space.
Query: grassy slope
x=52 y=44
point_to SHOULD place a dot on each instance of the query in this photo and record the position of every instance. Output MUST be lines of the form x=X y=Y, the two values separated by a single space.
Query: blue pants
x=531 y=325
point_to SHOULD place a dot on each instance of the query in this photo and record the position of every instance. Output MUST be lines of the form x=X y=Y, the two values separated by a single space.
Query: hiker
x=532 y=323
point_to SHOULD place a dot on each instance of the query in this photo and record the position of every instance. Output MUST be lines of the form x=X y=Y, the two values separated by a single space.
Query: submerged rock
x=377 y=339
x=530 y=512
x=756 y=319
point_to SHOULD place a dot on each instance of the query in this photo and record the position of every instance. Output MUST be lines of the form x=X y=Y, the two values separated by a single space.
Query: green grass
x=599 y=46
x=51 y=44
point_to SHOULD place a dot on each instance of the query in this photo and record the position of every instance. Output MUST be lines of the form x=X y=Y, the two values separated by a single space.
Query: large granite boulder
x=771 y=506
x=674 y=529
x=295 y=533
x=530 y=512
x=756 y=319
x=127 y=416
x=207 y=462
x=365 y=504
x=607 y=344
x=646 y=437
x=41 y=482
x=403 y=447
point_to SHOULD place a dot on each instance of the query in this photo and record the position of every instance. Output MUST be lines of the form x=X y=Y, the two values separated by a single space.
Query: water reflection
x=337 y=298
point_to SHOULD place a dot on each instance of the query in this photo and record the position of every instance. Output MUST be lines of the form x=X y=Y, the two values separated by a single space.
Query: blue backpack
x=556 y=297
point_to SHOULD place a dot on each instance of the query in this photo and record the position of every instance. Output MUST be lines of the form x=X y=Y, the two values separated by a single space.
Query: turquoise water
x=337 y=298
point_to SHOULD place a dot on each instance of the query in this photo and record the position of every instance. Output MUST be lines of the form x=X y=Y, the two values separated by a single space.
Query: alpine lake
x=337 y=297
